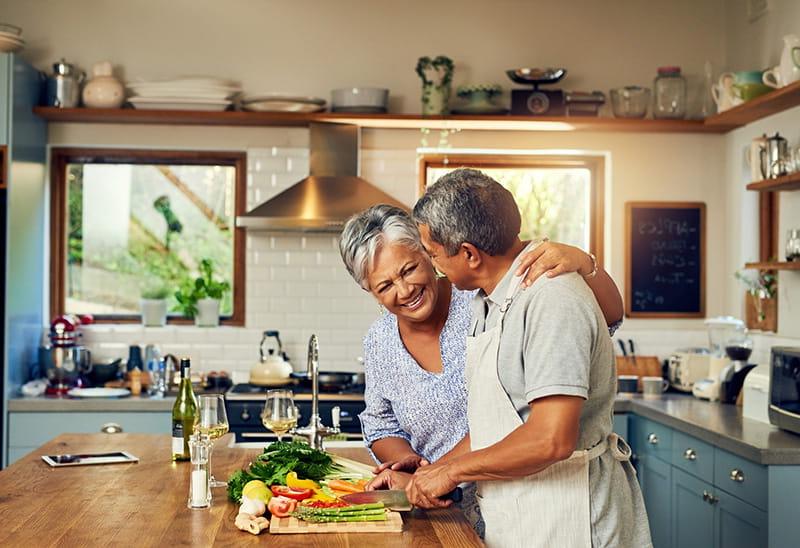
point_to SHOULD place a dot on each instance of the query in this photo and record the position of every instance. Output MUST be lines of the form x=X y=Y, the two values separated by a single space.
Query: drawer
x=652 y=439
x=741 y=478
x=693 y=455
x=35 y=429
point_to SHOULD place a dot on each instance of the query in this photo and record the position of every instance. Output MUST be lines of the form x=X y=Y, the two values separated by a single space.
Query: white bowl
x=354 y=98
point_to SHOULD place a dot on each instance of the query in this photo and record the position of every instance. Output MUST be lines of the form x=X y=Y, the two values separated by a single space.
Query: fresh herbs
x=277 y=460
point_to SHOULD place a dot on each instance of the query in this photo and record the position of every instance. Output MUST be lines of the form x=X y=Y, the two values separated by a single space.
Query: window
x=560 y=197
x=127 y=224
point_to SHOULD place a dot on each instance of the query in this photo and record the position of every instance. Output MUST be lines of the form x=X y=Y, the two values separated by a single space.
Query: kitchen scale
x=537 y=102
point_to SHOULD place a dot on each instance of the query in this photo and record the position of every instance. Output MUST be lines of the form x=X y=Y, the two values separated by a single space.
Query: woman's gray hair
x=466 y=205
x=366 y=232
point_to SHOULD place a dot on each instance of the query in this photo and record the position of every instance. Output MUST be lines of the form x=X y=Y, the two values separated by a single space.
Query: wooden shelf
x=389 y=121
x=794 y=265
x=760 y=107
x=787 y=182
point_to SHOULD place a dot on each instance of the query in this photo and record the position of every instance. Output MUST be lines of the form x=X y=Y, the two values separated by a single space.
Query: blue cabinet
x=655 y=477
x=692 y=511
x=738 y=524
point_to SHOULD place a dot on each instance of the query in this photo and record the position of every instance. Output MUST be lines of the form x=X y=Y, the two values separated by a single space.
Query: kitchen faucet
x=316 y=431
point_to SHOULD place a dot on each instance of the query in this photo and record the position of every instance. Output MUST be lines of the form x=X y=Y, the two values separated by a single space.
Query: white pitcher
x=788 y=70
x=722 y=92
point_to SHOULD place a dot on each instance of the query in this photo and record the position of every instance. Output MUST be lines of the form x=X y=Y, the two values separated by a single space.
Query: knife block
x=641 y=366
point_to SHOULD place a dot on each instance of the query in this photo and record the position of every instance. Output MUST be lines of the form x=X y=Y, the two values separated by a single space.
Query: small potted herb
x=436 y=75
x=200 y=298
x=761 y=306
x=153 y=302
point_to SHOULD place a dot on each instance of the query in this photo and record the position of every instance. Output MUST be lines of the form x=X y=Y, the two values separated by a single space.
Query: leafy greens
x=277 y=460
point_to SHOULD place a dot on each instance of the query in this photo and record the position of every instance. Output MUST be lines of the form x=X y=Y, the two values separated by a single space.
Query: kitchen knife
x=394 y=499
x=633 y=351
x=622 y=347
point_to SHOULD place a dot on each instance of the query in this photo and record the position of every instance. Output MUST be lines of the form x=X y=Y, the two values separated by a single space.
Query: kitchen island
x=144 y=504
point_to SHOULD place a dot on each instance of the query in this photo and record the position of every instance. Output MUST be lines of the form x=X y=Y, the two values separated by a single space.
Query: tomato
x=281 y=507
x=296 y=494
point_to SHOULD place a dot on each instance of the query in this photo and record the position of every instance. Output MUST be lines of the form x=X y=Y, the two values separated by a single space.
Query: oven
x=244 y=403
x=784 y=388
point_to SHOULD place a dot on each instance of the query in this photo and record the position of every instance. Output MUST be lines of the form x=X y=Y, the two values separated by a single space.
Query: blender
x=738 y=349
x=721 y=330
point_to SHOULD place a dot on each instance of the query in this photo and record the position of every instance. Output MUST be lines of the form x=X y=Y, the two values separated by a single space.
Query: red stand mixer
x=65 y=362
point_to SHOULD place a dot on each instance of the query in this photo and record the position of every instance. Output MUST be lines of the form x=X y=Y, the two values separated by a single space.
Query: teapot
x=273 y=369
x=63 y=87
x=788 y=70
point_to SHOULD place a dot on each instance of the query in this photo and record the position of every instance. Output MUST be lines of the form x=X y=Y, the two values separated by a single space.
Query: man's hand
x=389 y=479
x=407 y=464
x=428 y=484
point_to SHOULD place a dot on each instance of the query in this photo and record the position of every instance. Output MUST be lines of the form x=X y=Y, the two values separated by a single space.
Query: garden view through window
x=137 y=230
x=553 y=201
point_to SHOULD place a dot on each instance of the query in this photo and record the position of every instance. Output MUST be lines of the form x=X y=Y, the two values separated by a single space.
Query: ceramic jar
x=103 y=90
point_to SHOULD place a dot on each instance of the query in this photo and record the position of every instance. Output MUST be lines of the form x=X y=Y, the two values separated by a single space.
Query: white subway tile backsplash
x=302 y=289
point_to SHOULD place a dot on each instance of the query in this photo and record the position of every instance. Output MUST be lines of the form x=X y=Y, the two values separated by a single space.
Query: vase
x=103 y=90
x=207 y=313
x=154 y=312
x=761 y=312
x=435 y=98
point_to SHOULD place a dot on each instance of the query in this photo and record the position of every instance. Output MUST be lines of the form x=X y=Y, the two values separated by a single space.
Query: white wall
x=310 y=47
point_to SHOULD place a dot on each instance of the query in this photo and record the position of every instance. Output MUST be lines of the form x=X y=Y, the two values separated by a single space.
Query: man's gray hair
x=366 y=232
x=467 y=205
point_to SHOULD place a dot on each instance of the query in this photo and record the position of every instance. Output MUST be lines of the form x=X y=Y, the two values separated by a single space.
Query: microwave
x=784 y=388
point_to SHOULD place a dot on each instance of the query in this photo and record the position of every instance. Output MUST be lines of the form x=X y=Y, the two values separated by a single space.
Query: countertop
x=144 y=504
x=719 y=424
x=44 y=404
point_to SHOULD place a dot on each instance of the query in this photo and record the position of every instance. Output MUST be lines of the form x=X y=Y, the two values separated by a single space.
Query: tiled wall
x=295 y=282
x=297 y=285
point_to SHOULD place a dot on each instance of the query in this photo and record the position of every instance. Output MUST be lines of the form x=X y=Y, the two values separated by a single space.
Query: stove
x=244 y=403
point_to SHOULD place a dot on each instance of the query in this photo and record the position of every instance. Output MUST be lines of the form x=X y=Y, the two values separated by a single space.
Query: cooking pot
x=331 y=381
x=272 y=369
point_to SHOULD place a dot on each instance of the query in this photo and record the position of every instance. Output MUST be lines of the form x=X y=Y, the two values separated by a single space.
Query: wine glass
x=280 y=414
x=212 y=421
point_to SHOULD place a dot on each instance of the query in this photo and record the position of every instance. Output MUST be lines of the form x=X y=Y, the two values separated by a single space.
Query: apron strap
x=516 y=281
x=619 y=448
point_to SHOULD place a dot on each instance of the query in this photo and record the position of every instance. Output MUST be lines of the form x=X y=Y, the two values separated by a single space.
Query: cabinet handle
x=690 y=454
x=709 y=498
x=111 y=428
x=737 y=475
x=652 y=439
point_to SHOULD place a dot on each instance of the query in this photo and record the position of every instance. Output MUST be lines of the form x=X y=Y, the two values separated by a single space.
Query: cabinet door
x=739 y=525
x=693 y=513
x=656 y=478
x=621 y=425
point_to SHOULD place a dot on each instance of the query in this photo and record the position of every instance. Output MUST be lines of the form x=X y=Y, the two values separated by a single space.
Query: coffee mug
x=627 y=384
x=653 y=387
x=773 y=78
x=722 y=93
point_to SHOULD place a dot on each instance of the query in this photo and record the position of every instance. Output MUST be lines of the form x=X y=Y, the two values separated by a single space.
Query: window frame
x=61 y=156
x=595 y=165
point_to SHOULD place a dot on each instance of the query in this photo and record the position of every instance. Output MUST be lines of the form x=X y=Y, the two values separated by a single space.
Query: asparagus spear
x=342 y=509
x=357 y=517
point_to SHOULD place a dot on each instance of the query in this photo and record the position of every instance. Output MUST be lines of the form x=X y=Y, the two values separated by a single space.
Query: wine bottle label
x=177 y=438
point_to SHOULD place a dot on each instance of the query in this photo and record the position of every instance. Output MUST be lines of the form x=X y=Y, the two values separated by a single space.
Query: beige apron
x=548 y=509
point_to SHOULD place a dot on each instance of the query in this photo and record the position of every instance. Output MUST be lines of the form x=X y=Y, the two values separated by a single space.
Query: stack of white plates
x=10 y=38
x=190 y=93
x=281 y=102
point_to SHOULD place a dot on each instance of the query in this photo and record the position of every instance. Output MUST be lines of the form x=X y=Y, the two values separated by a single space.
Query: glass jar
x=669 y=94
x=793 y=245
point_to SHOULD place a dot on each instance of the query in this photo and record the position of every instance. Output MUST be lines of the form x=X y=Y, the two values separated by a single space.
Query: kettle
x=63 y=87
x=273 y=369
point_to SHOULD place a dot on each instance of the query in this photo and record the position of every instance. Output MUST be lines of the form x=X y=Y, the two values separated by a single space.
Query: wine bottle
x=183 y=413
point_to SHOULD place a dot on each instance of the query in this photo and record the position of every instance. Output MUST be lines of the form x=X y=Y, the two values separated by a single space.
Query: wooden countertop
x=144 y=504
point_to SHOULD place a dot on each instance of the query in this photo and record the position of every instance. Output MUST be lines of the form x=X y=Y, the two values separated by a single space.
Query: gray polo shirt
x=555 y=342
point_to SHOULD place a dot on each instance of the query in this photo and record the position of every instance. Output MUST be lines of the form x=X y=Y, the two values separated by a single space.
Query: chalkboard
x=664 y=259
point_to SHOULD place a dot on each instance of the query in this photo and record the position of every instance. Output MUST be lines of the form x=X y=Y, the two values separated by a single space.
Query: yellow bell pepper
x=294 y=482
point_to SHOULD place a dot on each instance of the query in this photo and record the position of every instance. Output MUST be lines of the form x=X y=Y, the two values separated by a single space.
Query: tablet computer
x=84 y=459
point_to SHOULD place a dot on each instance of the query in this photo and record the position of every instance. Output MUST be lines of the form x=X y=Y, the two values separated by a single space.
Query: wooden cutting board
x=393 y=524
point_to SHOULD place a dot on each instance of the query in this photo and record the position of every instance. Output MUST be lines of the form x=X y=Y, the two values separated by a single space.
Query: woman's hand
x=428 y=484
x=406 y=464
x=389 y=479
x=553 y=259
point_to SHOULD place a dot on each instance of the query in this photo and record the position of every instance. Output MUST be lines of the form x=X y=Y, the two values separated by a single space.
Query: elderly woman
x=414 y=356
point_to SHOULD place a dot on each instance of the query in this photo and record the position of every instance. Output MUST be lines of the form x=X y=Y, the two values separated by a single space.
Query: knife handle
x=455 y=495
x=622 y=347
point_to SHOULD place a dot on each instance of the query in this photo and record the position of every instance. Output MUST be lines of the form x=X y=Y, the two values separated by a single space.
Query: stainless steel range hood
x=332 y=192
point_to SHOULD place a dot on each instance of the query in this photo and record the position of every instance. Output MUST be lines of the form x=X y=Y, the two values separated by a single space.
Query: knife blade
x=393 y=499
x=622 y=347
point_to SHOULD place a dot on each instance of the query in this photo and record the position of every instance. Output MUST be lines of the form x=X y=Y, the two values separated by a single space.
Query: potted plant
x=761 y=303
x=436 y=75
x=153 y=302
x=200 y=298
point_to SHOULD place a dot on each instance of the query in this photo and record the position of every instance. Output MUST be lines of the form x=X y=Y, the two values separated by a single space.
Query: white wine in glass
x=280 y=414
x=211 y=420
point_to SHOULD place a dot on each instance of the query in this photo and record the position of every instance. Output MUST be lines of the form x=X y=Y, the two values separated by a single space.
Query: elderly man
x=541 y=384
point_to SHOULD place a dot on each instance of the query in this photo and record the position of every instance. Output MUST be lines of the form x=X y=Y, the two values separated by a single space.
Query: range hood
x=333 y=191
